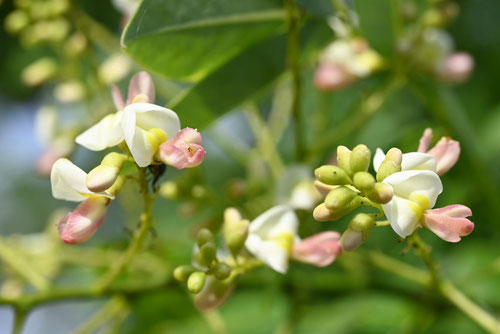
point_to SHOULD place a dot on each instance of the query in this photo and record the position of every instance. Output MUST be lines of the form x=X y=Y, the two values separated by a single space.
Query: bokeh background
x=349 y=296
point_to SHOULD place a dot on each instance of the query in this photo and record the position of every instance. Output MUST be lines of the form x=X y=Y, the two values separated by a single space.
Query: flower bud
x=391 y=164
x=81 y=224
x=204 y=236
x=169 y=190
x=357 y=232
x=332 y=77
x=332 y=175
x=364 y=181
x=344 y=158
x=39 y=72
x=318 y=250
x=382 y=193
x=207 y=254
x=457 y=67
x=339 y=197
x=323 y=188
x=182 y=273
x=115 y=68
x=184 y=150
x=221 y=270
x=360 y=159
x=235 y=230
x=196 y=282
x=213 y=294
x=104 y=176
x=322 y=213
x=16 y=21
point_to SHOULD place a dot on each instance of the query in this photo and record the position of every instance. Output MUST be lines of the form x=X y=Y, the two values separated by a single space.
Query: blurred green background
x=349 y=296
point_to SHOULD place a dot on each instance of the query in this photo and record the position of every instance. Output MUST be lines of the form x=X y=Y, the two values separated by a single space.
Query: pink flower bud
x=425 y=141
x=184 y=150
x=446 y=152
x=449 y=223
x=318 y=250
x=457 y=67
x=332 y=77
x=81 y=224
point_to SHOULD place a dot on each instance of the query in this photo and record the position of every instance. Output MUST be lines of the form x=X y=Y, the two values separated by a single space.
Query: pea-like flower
x=319 y=250
x=143 y=126
x=449 y=223
x=415 y=191
x=272 y=235
x=446 y=151
x=184 y=150
x=69 y=183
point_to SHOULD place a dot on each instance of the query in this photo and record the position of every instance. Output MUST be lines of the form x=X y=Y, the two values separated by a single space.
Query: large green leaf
x=188 y=39
x=243 y=77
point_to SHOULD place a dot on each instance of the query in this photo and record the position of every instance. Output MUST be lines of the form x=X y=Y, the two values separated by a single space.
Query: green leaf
x=378 y=21
x=188 y=39
x=243 y=77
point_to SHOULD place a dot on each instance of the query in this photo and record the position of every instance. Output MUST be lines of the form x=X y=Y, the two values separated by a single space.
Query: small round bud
x=198 y=191
x=351 y=239
x=362 y=222
x=395 y=155
x=235 y=230
x=207 y=254
x=344 y=158
x=364 y=181
x=332 y=175
x=360 y=159
x=16 y=21
x=322 y=214
x=101 y=178
x=39 y=71
x=382 y=193
x=204 y=236
x=391 y=164
x=182 y=273
x=196 y=282
x=221 y=270
x=169 y=190
x=339 y=197
x=323 y=188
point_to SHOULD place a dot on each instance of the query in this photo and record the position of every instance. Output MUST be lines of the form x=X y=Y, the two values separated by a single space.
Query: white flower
x=143 y=126
x=411 y=161
x=69 y=182
x=415 y=191
x=272 y=235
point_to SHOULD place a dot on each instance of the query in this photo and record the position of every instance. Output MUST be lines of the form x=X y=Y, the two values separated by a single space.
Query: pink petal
x=172 y=155
x=454 y=211
x=331 y=77
x=446 y=153
x=117 y=97
x=319 y=250
x=448 y=228
x=425 y=141
x=198 y=157
x=188 y=135
x=81 y=224
x=141 y=83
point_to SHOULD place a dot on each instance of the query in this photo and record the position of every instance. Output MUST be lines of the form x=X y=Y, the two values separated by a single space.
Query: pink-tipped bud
x=102 y=177
x=81 y=224
x=425 y=141
x=449 y=223
x=446 y=153
x=184 y=150
x=332 y=77
x=457 y=67
x=319 y=250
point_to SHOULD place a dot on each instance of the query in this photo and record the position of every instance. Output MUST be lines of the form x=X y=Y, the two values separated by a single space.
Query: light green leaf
x=188 y=39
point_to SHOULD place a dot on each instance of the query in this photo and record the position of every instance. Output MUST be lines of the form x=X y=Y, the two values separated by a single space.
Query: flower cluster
x=148 y=134
x=404 y=190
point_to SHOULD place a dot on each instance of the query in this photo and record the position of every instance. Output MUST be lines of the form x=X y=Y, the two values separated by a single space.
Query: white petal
x=148 y=116
x=402 y=215
x=418 y=161
x=68 y=182
x=420 y=182
x=378 y=159
x=141 y=147
x=274 y=222
x=106 y=133
x=268 y=252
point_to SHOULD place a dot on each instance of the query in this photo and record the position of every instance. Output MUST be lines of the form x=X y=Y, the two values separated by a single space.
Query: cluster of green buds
x=349 y=186
x=213 y=272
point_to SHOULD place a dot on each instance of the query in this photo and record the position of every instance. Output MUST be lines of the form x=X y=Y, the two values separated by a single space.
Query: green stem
x=22 y=267
x=293 y=54
x=138 y=238
x=424 y=251
x=19 y=317
x=112 y=308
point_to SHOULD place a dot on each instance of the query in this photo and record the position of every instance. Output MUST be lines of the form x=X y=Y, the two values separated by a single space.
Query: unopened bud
x=322 y=213
x=221 y=270
x=204 y=236
x=339 y=197
x=75 y=45
x=104 y=176
x=382 y=193
x=391 y=164
x=323 y=188
x=457 y=67
x=351 y=239
x=213 y=294
x=169 y=190
x=182 y=273
x=364 y=181
x=344 y=158
x=39 y=72
x=360 y=159
x=196 y=282
x=115 y=68
x=235 y=230
x=332 y=175
x=16 y=21
x=358 y=231
x=207 y=254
